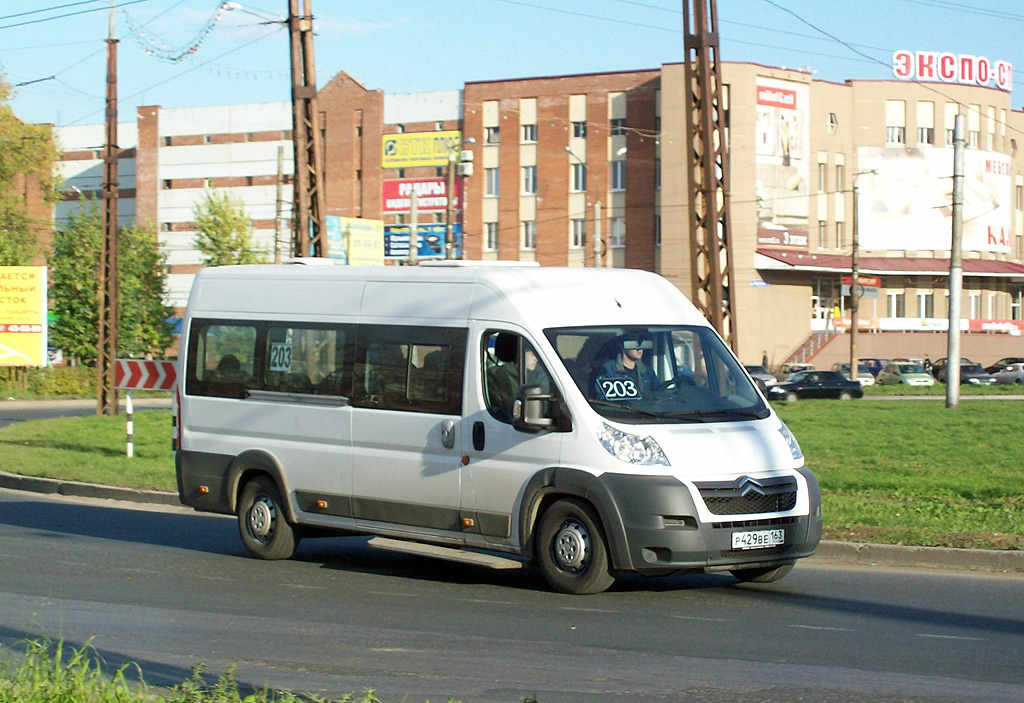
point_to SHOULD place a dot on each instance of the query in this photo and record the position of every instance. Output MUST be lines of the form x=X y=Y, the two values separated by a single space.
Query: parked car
x=908 y=373
x=787 y=370
x=761 y=375
x=1010 y=373
x=864 y=376
x=1004 y=362
x=969 y=373
x=939 y=364
x=874 y=365
x=816 y=384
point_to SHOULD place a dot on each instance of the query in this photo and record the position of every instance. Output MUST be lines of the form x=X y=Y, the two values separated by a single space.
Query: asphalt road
x=169 y=589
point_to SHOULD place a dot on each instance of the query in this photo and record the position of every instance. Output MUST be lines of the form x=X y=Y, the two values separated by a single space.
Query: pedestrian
x=764 y=359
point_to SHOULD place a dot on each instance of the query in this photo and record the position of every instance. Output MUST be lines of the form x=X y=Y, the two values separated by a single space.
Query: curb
x=858 y=553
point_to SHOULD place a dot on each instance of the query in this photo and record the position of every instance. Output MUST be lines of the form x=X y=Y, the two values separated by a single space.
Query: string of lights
x=158 y=49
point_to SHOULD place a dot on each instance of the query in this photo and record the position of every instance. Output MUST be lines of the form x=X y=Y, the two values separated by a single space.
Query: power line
x=71 y=14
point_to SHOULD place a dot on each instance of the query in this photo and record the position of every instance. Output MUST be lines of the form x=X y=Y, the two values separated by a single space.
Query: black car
x=970 y=373
x=939 y=365
x=816 y=384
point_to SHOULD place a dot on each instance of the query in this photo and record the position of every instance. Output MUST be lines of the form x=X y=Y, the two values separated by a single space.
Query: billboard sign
x=23 y=316
x=783 y=166
x=430 y=239
x=944 y=67
x=355 y=241
x=412 y=149
x=908 y=203
x=431 y=195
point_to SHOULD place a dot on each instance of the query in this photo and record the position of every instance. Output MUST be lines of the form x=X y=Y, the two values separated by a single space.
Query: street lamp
x=449 y=234
x=855 y=274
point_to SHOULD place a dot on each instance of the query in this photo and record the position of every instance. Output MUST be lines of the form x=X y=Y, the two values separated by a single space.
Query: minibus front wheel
x=571 y=549
x=265 y=532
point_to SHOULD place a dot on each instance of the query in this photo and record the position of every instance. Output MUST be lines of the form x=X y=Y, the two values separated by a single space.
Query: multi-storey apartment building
x=591 y=169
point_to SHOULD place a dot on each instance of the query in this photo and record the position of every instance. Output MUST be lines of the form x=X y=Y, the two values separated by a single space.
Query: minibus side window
x=509 y=361
x=305 y=359
x=416 y=369
x=222 y=358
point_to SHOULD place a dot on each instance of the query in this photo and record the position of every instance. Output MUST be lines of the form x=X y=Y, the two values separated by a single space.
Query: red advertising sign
x=431 y=195
x=776 y=97
x=866 y=281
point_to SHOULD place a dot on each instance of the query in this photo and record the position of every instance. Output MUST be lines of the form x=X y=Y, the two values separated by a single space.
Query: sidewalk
x=884 y=555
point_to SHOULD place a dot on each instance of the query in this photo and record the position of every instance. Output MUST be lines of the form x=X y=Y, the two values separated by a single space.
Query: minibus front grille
x=749 y=496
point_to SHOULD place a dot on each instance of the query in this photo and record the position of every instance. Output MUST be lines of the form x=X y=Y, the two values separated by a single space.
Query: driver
x=626 y=376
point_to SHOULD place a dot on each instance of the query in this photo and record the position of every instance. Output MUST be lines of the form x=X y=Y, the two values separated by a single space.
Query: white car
x=1010 y=373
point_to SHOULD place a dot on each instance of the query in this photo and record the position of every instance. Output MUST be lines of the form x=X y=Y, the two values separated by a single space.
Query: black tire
x=845 y=395
x=792 y=397
x=571 y=549
x=762 y=575
x=265 y=532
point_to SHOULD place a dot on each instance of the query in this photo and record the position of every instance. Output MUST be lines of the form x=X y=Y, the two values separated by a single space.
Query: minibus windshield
x=657 y=373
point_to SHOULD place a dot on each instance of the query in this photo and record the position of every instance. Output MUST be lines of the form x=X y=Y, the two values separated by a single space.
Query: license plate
x=759 y=539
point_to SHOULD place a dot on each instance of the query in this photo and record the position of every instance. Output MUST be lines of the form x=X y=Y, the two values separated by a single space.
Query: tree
x=224 y=232
x=142 y=319
x=27 y=154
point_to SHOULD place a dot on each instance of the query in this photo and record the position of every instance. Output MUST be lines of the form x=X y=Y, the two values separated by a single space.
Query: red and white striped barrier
x=145 y=374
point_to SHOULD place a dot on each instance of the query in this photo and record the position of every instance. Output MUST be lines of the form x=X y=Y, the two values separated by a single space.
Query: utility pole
x=310 y=232
x=956 y=268
x=106 y=347
x=708 y=171
x=279 y=202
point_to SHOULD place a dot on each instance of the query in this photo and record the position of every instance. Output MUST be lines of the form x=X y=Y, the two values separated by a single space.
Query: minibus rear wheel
x=265 y=532
x=571 y=549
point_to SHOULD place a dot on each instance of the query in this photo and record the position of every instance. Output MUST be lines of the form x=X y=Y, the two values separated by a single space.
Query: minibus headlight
x=794 y=447
x=631 y=448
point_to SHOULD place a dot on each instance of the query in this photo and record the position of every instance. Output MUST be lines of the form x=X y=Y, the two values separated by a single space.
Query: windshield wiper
x=705 y=415
x=627 y=408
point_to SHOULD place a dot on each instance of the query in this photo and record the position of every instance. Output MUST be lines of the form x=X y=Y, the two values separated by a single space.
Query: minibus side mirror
x=535 y=411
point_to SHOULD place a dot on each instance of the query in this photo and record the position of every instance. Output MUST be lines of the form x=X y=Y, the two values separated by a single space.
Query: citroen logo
x=750 y=486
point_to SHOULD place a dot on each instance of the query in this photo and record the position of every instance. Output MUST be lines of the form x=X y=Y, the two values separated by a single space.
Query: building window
x=400 y=128
x=167 y=184
x=822 y=226
x=491 y=182
x=972 y=138
x=949 y=137
x=529 y=180
x=439 y=126
x=529 y=133
x=839 y=178
x=618 y=175
x=579 y=130
x=579 y=178
x=1019 y=196
x=895 y=135
x=1015 y=306
x=657 y=174
x=833 y=123
x=207 y=139
x=168 y=227
x=657 y=230
x=491 y=135
x=925 y=135
x=821 y=177
x=209 y=182
x=579 y=233
x=439 y=172
x=925 y=304
x=168 y=141
x=839 y=235
x=401 y=173
x=529 y=234
x=897 y=305
x=618 y=126
x=491 y=236
x=617 y=235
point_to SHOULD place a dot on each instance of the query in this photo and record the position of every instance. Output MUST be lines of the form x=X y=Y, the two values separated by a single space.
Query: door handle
x=478 y=436
x=448 y=434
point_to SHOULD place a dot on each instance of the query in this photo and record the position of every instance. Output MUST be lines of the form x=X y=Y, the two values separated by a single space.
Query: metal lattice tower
x=310 y=232
x=708 y=170
x=106 y=347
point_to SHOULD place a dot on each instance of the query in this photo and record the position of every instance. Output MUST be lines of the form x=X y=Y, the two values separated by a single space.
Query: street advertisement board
x=431 y=195
x=783 y=168
x=412 y=149
x=908 y=203
x=430 y=239
x=23 y=316
x=355 y=241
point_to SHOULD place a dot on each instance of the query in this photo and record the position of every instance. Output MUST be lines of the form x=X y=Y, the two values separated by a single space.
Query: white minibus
x=586 y=421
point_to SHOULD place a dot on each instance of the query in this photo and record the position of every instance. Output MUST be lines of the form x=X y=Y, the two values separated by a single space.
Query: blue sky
x=404 y=46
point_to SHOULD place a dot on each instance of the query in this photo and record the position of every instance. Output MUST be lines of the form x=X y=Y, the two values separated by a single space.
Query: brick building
x=562 y=163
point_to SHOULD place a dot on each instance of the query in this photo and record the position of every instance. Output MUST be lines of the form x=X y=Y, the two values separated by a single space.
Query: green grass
x=92 y=449
x=42 y=671
x=916 y=472
x=892 y=472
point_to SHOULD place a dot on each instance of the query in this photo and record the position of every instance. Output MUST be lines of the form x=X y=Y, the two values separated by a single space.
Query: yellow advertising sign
x=419 y=148
x=355 y=241
x=22 y=316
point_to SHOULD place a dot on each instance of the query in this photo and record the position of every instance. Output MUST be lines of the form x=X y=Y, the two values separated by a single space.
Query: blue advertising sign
x=431 y=241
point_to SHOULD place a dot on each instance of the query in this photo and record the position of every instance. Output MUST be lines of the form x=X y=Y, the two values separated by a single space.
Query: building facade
x=591 y=169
